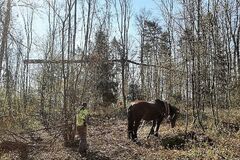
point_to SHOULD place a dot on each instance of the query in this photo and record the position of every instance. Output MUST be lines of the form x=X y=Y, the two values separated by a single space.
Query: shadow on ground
x=179 y=141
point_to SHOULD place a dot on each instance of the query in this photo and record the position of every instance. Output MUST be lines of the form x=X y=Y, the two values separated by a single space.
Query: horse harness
x=167 y=111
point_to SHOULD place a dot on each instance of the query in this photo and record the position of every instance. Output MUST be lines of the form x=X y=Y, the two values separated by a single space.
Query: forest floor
x=107 y=139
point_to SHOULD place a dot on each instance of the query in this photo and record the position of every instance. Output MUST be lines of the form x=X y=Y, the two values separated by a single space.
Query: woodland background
x=89 y=52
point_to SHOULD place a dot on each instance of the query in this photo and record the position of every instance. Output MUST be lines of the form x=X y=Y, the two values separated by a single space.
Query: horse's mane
x=174 y=108
x=159 y=102
x=169 y=107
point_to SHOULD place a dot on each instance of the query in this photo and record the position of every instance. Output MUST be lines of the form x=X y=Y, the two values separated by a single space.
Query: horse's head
x=173 y=115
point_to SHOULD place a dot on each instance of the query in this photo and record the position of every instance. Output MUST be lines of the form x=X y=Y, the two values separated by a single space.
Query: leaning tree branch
x=42 y=61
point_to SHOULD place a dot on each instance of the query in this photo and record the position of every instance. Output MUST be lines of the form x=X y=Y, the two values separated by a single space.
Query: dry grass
x=110 y=139
x=107 y=138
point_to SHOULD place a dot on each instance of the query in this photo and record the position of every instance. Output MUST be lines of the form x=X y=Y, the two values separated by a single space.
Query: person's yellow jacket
x=81 y=117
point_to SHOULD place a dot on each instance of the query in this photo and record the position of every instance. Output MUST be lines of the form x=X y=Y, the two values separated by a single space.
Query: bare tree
x=5 y=31
x=123 y=20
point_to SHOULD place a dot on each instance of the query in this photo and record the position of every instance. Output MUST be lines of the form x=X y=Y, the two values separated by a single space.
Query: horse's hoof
x=156 y=135
x=151 y=133
x=138 y=143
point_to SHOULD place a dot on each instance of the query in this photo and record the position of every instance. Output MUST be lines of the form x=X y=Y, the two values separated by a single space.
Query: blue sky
x=148 y=4
x=137 y=6
x=40 y=20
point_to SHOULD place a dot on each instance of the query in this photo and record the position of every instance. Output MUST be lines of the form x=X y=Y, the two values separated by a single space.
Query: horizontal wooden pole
x=36 y=61
x=42 y=61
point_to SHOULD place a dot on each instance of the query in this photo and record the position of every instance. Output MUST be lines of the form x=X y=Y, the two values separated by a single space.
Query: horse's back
x=136 y=102
x=145 y=110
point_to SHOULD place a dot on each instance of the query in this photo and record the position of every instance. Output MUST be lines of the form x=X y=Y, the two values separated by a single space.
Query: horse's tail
x=130 y=122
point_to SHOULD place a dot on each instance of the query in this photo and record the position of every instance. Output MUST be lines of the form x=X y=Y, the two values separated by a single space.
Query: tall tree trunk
x=5 y=31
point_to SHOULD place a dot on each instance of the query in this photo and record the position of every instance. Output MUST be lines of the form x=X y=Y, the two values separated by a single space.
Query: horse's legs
x=136 y=125
x=130 y=125
x=130 y=134
x=130 y=129
x=158 y=126
x=152 y=128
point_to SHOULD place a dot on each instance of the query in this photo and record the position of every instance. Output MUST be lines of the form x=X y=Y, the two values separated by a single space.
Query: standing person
x=81 y=125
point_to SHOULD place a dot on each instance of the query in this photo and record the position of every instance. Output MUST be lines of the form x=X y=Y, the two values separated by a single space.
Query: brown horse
x=150 y=111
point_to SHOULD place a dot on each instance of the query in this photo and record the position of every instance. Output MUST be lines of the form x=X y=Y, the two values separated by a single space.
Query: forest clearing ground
x=107 y=138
